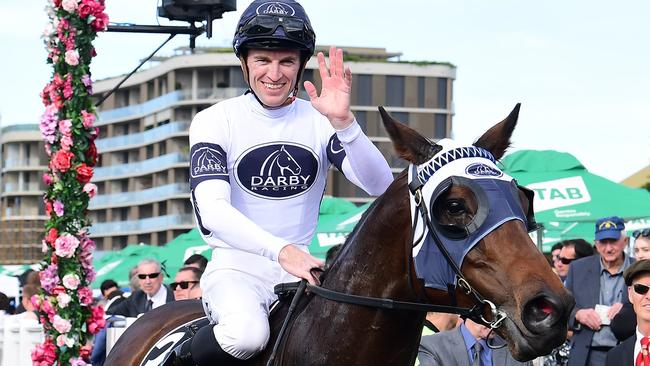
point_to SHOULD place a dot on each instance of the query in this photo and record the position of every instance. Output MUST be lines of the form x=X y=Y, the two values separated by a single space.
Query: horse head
x=481 y=218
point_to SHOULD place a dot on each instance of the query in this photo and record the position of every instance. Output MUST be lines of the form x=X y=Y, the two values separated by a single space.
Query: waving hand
x=334 y=99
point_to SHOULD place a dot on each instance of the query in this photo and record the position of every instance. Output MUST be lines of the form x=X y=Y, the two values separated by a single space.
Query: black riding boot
x=206 y=351
x=180 y=356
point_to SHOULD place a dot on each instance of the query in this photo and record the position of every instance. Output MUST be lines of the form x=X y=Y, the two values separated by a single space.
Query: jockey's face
x=149 y=285
x=272 y=74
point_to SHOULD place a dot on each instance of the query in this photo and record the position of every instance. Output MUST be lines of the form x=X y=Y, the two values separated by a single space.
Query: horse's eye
x=455 y=207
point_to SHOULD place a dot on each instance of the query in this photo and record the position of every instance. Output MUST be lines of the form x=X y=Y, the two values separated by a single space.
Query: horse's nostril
x=540 y=313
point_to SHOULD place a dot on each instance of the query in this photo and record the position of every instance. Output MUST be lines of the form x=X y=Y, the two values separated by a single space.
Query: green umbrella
x=116 y=265
x=174 y=253
x=568 y=198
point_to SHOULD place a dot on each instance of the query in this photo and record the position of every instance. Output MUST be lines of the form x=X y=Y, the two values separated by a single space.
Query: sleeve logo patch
x=208 y=160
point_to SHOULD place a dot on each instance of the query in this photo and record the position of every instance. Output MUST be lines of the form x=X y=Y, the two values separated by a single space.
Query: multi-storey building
x=22 y=217
x=142 y=174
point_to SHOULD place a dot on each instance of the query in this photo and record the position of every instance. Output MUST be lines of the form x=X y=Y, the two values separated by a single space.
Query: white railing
x=20 y=336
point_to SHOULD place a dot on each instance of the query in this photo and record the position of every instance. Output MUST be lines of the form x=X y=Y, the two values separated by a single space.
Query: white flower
x=70 y=5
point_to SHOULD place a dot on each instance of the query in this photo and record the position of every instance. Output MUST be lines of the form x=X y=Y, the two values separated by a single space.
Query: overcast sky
x=579 y=68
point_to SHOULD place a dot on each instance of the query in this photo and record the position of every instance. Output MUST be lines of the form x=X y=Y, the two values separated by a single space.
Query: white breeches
x=237 y=294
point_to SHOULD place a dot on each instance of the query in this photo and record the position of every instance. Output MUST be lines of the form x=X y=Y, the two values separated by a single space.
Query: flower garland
x=67 y=126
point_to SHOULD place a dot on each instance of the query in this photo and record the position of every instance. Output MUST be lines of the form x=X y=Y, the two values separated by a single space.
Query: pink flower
x=71 y=281
x=85 y=295
x=88 y=119
x=101 y=22
x=65 y=126
x=64 y=340
x=72 y=57
x=90 y=189
x=44 y=354
x=65 y=245
x=47 y=179
x=66 y=142
x=49 y=277
x=58 y=208
x=61 y=325
x=63 y=300
x=61 y=161
x=69 y=5
x=96 y=320
x=77 y=362
x=48 y=123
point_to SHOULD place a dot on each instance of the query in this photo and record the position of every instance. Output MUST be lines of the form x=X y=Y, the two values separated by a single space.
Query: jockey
x=258 y=170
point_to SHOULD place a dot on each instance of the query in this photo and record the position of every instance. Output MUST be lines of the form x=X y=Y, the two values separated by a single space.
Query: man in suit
x=463 y=346
x=597 y=285
x=151 y=295
x=633 y=350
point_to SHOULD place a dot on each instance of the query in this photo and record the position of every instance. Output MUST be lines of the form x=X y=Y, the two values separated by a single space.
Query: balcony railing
x=9 y=187
x=13 y=162
x=154 y=134
x=163 y=101
x=135 y=198
x=141 y=167
x=148 y=225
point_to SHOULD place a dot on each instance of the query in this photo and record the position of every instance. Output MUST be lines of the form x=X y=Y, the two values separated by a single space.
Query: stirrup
x=177 y=358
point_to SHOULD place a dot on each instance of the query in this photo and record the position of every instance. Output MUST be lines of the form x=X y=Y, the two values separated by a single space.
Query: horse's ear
x=408 y=143
x=497 y=139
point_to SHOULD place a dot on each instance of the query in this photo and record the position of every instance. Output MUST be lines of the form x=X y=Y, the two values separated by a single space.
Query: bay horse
x=391 y=257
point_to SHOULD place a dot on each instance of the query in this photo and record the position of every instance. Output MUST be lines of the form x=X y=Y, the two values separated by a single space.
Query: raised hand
x=334 y=99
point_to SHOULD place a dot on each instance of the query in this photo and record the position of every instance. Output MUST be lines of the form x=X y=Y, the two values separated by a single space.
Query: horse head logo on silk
x=277 y=170
x=280 y=161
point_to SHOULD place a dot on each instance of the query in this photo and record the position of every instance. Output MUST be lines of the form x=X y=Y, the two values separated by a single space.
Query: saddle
x=284 y=291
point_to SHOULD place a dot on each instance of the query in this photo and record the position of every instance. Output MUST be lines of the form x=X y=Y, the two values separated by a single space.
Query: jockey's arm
x=364 y=165
x=212 y=198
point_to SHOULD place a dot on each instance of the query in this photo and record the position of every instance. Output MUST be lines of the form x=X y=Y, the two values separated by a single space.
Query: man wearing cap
x=634 y=351
x=599 y=290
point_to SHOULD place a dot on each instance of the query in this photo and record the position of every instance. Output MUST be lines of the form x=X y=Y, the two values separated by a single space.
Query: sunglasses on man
x=565 y=260
x=637 y=233
x=183 y=284
x=640 y=289
x=142 y=276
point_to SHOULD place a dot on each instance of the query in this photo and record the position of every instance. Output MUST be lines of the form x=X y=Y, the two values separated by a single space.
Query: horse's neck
x=374 y=261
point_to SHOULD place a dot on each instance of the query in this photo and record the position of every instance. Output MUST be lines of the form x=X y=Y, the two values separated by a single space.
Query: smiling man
x=634 y=351
x=259 y=165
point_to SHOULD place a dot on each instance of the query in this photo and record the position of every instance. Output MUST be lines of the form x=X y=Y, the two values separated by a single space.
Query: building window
x=395 y=90
x=364 y=90
x=421 y=91
x=442 y=93
x=237 y=78
x=401 y=116
x=362 y=117
x=440 y=131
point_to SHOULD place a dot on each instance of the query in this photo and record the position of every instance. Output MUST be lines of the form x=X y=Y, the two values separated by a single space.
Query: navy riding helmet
x=279 y=24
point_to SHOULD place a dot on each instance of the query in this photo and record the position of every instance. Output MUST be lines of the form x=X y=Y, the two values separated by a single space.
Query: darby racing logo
x=275 y=8
x=207 y=161
x=277 y=170
x=482 y=170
